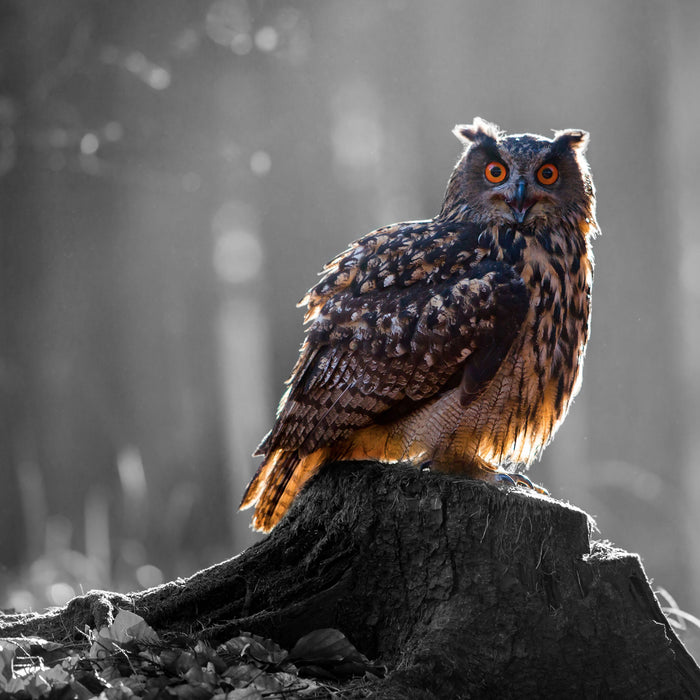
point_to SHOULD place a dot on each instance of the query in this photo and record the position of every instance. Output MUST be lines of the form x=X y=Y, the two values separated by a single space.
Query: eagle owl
x=456 y=342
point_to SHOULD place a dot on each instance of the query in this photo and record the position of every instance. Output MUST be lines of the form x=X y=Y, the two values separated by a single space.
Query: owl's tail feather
x=278 y=480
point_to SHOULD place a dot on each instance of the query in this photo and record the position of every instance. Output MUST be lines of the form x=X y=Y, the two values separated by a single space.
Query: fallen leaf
x=187 y=691
x=268 y=682
x=328 y=653
x=168 y=659
x=186 y=662
x=37 y=686
x=102 y=646
x=194 y=675
x=258 y=648
x=7 y=655
x=243 y=673
x=206 y=655
x=128 y=626
x=15 y=686
x=118 y=692
x=244 y=694
x=56 y=674
x=325 y=645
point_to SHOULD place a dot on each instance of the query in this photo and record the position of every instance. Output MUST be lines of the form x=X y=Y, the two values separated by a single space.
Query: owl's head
x=521 y=180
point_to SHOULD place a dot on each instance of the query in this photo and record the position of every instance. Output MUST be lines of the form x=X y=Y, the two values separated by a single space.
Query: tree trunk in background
x=110 y=303
x=15 y=284
x=683 y=150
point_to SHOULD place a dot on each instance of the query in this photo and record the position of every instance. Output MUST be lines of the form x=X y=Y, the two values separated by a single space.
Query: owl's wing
x=388 y=334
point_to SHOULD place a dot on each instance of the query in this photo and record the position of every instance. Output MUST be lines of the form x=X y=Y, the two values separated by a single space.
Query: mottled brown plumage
x=457 y=341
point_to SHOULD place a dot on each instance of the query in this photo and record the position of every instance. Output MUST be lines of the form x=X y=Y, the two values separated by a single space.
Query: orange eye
x=495 y=172
x=548 y=174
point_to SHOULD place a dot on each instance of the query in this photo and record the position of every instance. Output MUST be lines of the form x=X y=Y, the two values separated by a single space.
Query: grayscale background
x=174 y=173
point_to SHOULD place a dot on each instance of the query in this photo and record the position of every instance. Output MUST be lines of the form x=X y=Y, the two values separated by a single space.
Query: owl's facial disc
x=521 y=200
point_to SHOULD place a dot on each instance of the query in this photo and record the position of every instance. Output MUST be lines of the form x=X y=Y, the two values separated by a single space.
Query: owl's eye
x=548 y=174
x=495 y=172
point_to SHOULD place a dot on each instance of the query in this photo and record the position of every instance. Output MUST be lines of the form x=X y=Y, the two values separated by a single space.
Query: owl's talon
x=507 y=478
x=516 y=479
x=522 y=480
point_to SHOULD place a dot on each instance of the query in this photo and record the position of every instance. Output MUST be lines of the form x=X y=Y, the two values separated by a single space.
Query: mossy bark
x=461 y=588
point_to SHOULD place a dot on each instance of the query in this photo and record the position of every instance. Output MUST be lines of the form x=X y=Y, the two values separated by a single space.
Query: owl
x=456 y=342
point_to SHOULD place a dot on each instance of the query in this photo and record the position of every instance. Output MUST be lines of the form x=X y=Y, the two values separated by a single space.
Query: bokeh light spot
x=89 y=144
x=158 y=78
x=357 y=139
x=21 y=600
x=266 y=39
x=260 y=163
x=238 y=253
x=149 y=576
x=60 y=593
x=135 y=62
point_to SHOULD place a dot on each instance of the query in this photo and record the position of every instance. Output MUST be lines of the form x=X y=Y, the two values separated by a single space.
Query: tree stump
x=463 y=589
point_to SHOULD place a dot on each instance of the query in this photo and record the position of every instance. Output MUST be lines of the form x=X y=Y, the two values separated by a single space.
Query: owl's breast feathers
x=442 y=341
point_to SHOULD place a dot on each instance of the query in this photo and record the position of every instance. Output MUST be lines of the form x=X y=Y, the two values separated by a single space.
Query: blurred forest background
x=174 y=173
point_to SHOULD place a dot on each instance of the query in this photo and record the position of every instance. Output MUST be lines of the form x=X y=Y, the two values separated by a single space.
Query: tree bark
x=461 y=588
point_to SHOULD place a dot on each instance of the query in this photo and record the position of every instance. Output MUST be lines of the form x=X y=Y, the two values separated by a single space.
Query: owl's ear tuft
x=477 y=132
x=576 y=139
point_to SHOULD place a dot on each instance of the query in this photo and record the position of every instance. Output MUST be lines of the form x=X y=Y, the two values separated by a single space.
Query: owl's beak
x=520 y=204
